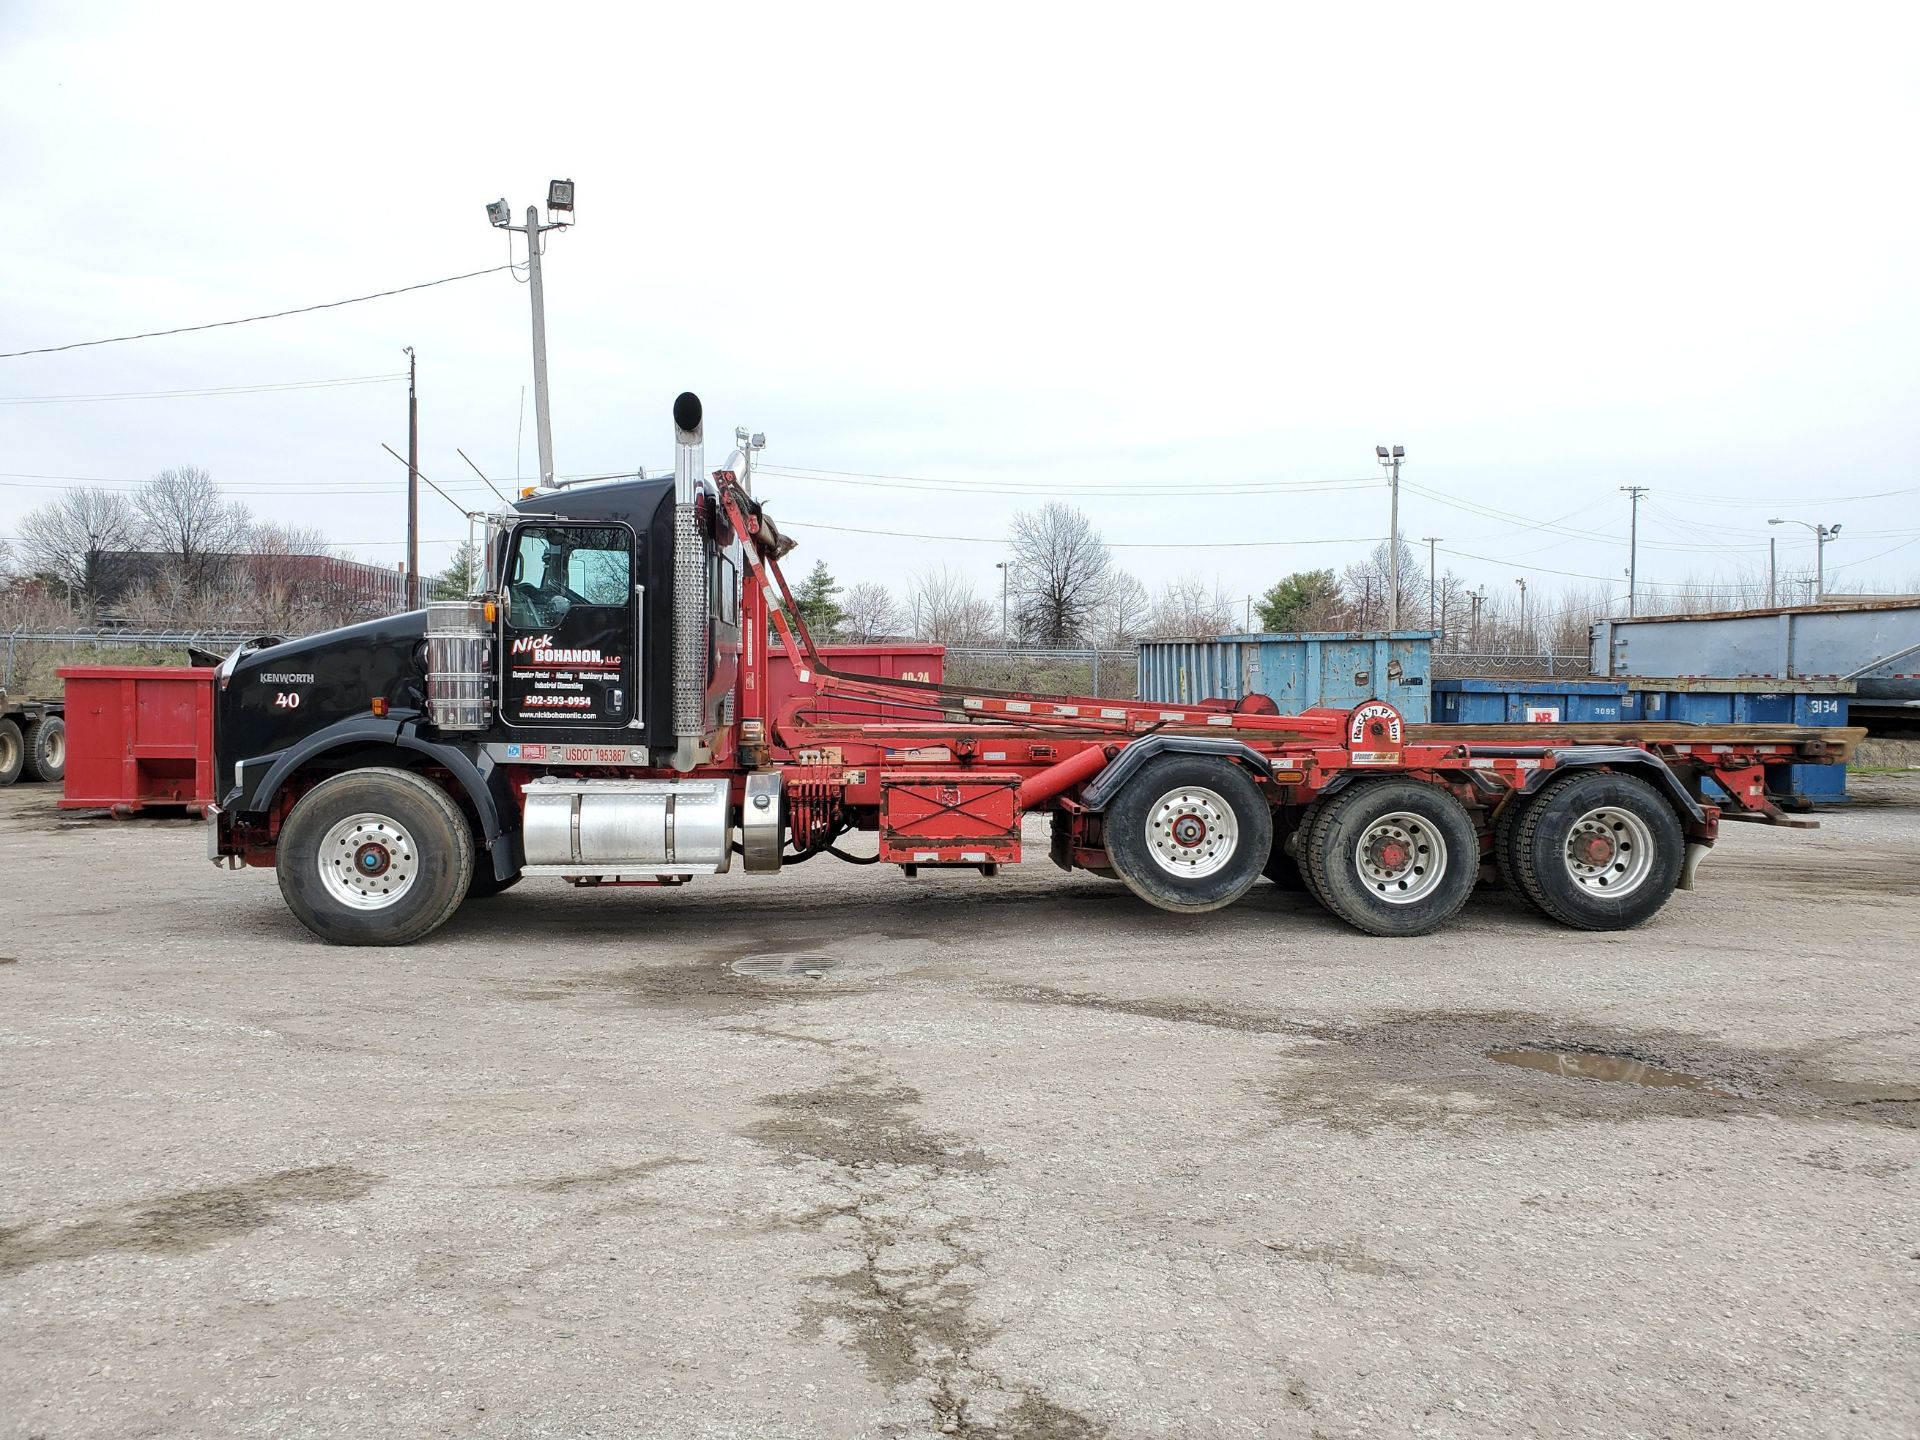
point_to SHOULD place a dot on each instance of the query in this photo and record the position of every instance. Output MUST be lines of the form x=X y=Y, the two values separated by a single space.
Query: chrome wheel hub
x=368 y=861
x=1609 y=851
x=1192 y=832
x=1400 y=857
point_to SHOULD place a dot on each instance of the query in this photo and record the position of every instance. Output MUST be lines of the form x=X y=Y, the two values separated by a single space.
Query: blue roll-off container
x=1298 y=672
x=1750 y=702
x=1522 y=702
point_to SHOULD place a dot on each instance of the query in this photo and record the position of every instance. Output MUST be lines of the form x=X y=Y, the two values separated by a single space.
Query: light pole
x=559 y=202
x=1390 y=461
x=1523 y=610
x=1821 y=534
x=1005 y=567
x=1633 y=542
x=1433 y=581
x=749 y=445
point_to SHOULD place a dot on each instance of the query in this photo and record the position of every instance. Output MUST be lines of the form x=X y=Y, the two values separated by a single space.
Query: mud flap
x=1689 y=867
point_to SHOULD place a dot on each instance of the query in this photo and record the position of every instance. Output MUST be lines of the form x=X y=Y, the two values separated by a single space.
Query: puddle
x=784 y=966
x=1594 y=1065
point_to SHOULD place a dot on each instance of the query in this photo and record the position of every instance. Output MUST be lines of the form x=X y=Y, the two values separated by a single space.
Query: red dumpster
x=138 y=735
x=884 y=662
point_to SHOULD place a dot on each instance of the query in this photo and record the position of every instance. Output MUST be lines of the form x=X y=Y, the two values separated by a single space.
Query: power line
x=1110 y=544
x=250 y=319
x=877 y=479
x=208 y=390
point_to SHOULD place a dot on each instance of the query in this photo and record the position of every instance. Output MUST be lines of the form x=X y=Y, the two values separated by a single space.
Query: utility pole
x=1249 y=614
x=1523 y=609
x=559 y=202
x=1821 y=534
x=1773 y=570
x=1005 y=567
x=1479 y=598
x=413 y=486
x=1433 y=580
x=1633 y=542
x=1391 y=462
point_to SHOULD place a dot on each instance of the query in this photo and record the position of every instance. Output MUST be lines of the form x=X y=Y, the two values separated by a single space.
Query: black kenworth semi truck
x=331 y=745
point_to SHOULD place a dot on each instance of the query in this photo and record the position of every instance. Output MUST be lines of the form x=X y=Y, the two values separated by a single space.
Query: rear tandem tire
x=1394 y=857
x=13 y=751
x=1599 y=850
x=399 y=858
x=1303 y=846
x=1175 y=797
x=1506 y=823
x=46 y=741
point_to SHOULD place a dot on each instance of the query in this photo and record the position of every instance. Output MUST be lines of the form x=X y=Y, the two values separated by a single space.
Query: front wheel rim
x=1401 y=858
x=368 y=862
x=1192 y=832
x=1609 y=852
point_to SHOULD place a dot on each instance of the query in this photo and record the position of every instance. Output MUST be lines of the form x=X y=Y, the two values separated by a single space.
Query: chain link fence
x=30 y=660
x=1109 y=673
x=1511 y=667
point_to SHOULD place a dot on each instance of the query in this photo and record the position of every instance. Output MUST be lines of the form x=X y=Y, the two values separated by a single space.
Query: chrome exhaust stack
x=689 y=587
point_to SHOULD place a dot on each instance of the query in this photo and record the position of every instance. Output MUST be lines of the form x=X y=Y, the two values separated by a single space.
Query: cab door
x=569 y=643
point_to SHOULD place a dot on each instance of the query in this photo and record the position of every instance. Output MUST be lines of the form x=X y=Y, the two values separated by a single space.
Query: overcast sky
x=1185 y=265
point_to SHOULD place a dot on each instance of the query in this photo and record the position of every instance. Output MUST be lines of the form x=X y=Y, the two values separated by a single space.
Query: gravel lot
x=1025 y=1158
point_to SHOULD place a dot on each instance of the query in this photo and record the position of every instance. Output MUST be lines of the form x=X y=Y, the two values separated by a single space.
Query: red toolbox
x=959 y=817
x=138 y=735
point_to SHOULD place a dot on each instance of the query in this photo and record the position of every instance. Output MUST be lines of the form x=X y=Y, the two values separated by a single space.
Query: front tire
x=1394 y=857
x=1189 y=832
x=46 y=741
x=1598 y=850
x=375 y=857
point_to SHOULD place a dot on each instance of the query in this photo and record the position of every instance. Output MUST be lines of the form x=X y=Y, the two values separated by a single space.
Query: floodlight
x=560 y=195
x=760 y=443
x=1833 y=530
x=1398 y=452
x=499 y=212
x=1776 y=522
x=1381 y=451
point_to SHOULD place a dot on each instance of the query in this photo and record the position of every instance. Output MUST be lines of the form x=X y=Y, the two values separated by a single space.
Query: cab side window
x=555 y=569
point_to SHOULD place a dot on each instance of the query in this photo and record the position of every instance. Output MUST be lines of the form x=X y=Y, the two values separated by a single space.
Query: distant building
x=347 y=585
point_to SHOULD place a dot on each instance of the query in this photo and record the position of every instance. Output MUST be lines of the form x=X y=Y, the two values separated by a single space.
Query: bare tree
x=946 y=609
x=1061 y=573
x=1366 y=583
x=1123 y=615
x=871 y=613
x=1188 y=610
x=190 y=522
x=73 y=539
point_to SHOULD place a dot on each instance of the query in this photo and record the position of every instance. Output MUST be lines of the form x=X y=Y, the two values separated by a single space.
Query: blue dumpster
x=1528 y=702
x=1749 y=702
x=1298 y=672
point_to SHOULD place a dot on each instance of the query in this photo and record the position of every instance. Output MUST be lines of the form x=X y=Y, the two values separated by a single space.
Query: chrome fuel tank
x=627 y=827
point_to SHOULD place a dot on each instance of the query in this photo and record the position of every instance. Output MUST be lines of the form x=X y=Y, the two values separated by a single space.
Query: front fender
x=475 y=775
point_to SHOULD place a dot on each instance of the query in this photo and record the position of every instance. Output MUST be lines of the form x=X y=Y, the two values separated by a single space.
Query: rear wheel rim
x=1400 y=858
x=56 y=748
x=10 y=751
x=1609 y=852
x=368 y=862
x=1192 y=832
